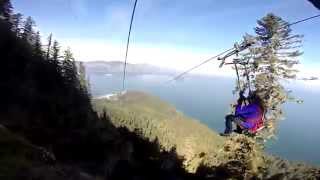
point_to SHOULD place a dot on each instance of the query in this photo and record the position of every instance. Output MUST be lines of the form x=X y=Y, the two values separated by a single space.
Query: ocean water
x=208 y=99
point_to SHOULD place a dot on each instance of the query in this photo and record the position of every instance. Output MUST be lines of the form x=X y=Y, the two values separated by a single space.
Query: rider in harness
x=248 y=115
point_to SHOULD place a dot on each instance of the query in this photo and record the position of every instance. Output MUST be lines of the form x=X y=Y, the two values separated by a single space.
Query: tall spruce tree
x=83 y=77
x=6 y=10
x=55 y=52
x=37 y=45
x=271 y=61
x=55 y=59
x=28 y=33
x=49 y=47
x=69 y=69
x=16 y=20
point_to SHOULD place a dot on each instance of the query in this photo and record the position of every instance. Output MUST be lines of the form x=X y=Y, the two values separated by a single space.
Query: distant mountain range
x=116 y=67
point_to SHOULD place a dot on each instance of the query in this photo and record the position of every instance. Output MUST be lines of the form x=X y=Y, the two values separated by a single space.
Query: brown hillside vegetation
x=202 y=150
x=159 y=120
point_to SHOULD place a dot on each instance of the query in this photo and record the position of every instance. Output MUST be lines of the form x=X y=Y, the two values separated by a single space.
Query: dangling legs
x=229 y=127
x=229 y=124
x=238 y=121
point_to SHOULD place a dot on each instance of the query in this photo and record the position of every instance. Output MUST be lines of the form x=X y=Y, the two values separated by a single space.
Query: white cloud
x=159 y=55
x=163 y=55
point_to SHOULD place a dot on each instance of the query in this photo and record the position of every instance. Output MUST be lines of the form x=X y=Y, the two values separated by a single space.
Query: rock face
x=202 y=150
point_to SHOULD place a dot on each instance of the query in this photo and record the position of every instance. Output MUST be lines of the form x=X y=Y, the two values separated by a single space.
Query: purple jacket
x=251 y=114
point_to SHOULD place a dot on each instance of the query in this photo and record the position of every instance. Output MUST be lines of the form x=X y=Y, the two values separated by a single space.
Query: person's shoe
x=225 y=134
x=238 y=131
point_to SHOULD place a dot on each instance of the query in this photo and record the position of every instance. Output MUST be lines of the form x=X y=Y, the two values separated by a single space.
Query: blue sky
x=170 y=33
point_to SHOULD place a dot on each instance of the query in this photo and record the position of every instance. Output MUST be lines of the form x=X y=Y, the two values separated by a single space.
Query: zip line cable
x=195 y=67
x=127 y=48
x=206 y=61
x=303 y=20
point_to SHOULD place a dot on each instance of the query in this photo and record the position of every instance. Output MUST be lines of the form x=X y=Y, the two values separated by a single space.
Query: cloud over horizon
x=168 y=33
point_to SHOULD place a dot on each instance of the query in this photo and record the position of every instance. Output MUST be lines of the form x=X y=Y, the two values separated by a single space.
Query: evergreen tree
x=55 y=52
x=271 y=60
x=69 y=69
x=16 y=20
x=5 y=10
x=28 y=31
x=55 y=59
x=83 y=77
x=49 y=46
x=37 y=45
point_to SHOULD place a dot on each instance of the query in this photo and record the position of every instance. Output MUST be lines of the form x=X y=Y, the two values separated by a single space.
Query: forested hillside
x=47 y=125
x=42 y=97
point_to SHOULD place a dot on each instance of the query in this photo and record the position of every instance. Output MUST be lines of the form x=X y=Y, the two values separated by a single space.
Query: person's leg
x=238 y=130
x=238 y=121
x=229 y=118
